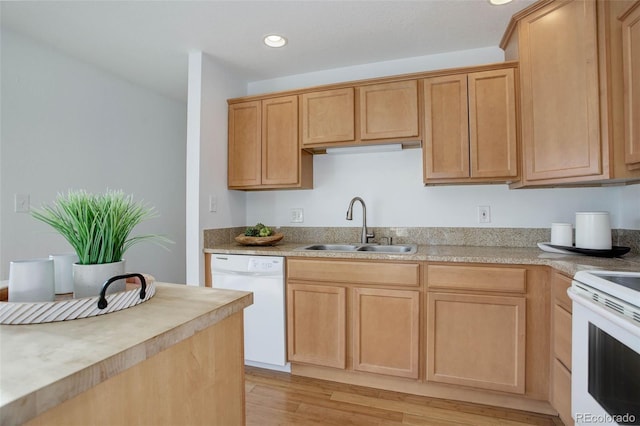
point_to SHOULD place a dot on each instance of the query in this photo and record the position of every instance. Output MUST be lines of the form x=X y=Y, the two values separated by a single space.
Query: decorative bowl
x=259 y=241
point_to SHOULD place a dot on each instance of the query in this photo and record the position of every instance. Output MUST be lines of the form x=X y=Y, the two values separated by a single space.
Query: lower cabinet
x=471 y=332
x=561 y=347
x=476 y=326
x=386 y=331
x=476 y=340
x=316 y=324
x=351 y=310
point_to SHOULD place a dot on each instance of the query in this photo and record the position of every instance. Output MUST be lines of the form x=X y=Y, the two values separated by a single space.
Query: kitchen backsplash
x=491 y=237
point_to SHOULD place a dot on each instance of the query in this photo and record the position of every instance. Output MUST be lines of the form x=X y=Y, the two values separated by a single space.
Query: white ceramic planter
x=88 y=279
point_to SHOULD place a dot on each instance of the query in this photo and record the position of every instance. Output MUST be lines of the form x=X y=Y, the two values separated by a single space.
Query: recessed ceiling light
x=499 y=2
x=274 y=40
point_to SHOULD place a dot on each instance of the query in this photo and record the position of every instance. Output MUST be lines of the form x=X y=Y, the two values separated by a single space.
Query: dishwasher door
x=264 y=321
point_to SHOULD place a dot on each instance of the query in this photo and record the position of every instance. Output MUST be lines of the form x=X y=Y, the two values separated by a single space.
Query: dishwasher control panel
x=257 y=264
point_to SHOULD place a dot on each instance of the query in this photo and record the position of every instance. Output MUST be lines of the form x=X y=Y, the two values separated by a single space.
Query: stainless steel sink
x=398 y=248
x=332 y=247
x=378 y=248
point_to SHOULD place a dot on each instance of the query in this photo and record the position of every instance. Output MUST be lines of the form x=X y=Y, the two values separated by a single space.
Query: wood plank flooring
x=274 y=398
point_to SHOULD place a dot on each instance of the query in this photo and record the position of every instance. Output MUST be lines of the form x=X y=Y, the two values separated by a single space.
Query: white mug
x=562 y=234
x=31 y=280
x=593 y=230
x=63 y=268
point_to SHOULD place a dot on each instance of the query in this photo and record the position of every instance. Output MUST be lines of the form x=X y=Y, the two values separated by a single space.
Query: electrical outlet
x=296 y=215
x=21 y=203
x=484 y=214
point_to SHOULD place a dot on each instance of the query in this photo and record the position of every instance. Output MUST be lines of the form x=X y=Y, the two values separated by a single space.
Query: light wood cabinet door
x=245 y=144
x=631 y=66
x=389 y=110
x=562 y=335
x=386 y=331
x=470 y=126
x=560 y=92
x=316 y=324
x=328 y=116
x=476 y=341
x=492 y=124
x=280 y=147
x=560 y=373
x=446 y=127
x=561 y=392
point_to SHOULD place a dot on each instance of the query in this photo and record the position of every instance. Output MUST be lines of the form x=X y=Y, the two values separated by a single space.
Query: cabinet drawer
x=560 y=284
x=561 y=392
x=476 y=278
x=562 y=335
x=356 y=272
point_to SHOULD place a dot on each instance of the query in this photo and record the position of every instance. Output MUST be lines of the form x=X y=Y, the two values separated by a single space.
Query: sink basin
x=399 y=248
x=378 y=248
x=332 y=247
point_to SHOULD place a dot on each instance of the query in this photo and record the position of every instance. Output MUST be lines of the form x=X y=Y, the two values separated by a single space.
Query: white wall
x=629 y=204
x=380 y=69
x=210 y=85
x=391 y=183
x=66 y=124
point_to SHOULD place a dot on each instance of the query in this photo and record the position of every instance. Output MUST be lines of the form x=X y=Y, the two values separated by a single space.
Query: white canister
x=63 y=268
x=562 y=234
x=593 y=230
x=31 y=280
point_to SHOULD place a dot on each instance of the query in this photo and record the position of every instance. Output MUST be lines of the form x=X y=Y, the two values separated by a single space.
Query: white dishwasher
x=264 y=321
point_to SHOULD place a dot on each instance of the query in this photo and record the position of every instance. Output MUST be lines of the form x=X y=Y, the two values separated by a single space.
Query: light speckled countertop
x=43 y=365
x=567 y=264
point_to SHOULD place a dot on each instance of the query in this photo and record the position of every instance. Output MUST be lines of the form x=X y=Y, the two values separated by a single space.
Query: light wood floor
x=274 y=398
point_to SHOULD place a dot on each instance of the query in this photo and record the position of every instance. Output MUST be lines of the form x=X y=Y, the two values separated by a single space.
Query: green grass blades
x=98 y=226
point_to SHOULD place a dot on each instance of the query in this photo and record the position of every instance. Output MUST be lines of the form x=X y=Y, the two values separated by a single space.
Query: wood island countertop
x=44 y=365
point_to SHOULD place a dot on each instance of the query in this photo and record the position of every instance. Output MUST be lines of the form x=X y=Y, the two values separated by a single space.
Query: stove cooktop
x=632 y=282
x=624 y=286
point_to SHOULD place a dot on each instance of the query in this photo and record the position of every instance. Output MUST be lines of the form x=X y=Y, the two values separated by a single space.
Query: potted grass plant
x=98 y=227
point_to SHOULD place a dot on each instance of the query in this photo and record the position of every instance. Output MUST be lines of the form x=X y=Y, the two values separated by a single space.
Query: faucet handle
x=368 y=236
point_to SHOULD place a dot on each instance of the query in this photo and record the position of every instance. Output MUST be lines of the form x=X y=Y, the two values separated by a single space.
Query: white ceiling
x=147 y=42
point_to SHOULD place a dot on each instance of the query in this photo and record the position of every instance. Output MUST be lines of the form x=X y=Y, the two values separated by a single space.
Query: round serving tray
x=16 y=313
x=259 y=241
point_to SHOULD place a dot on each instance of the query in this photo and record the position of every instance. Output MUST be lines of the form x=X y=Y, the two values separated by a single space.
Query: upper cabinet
x=328 y=116
x=570 y=91
x=360 y=114
x=263 y=149
x=470 y=127
x=631 y=65
x=563 y=110
x=389 y=110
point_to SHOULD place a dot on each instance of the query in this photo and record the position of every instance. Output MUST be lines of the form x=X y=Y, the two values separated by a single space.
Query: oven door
x=605 y=379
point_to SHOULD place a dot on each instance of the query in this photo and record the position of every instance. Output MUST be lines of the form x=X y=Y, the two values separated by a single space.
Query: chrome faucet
x=365 y=233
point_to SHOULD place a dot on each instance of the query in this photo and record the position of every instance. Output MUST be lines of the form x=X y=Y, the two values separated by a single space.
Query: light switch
x=213 y=203
x=22 y=204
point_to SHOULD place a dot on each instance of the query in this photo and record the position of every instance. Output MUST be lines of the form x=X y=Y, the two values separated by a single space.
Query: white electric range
x=605 y=379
